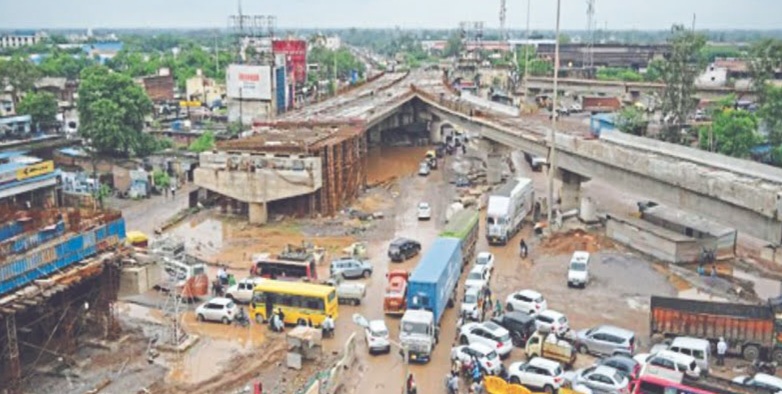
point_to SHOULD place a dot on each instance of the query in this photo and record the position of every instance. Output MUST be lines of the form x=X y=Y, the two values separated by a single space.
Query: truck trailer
x=750 y=330
x=507 y=208
x=431 y=288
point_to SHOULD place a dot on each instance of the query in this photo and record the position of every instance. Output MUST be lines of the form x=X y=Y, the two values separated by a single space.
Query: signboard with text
x=34 y=170
x=249 y=82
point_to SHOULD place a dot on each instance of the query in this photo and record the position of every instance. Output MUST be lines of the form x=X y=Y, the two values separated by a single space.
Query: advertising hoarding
x=34 y=170
x=249 y=82
x=295 y=52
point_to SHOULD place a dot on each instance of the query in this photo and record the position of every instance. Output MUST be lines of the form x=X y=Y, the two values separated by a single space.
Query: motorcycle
x=758 y=366
x=242 y=320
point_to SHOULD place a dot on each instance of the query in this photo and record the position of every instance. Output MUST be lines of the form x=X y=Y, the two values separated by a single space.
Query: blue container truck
x=430 y=289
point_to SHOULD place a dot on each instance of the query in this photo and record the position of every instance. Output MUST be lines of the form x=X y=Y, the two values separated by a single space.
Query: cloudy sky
x=616 y=14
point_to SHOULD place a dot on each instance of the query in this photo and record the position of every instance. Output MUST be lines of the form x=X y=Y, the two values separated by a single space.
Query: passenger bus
x=654 y=385
x=300 y=302
x=270 y=268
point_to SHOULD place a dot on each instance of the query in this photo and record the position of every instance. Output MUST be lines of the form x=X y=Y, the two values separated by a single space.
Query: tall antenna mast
x=503 y=9
x=589 y=58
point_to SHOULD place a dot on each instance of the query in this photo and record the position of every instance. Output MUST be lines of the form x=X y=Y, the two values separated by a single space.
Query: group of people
x=224 y=280
x=474 y=373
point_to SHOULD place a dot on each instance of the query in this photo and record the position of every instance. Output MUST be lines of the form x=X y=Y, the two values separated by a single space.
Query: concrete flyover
x=739 y=193
x=543 y=84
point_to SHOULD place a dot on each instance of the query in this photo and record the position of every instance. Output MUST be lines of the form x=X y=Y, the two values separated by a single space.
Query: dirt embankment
x=575 y=240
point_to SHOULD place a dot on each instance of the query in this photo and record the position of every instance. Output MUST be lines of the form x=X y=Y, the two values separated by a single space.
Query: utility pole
x=526 y=49
x=553 y=133
x=336 y=85
x=503 y=10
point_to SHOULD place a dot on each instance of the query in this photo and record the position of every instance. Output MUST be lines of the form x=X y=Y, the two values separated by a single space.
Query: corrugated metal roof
x=44 y=177
x=13 y=153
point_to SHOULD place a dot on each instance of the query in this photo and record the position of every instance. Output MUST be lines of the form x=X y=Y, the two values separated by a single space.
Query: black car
x=519 y=324
x=402 y=249
x=624 y=364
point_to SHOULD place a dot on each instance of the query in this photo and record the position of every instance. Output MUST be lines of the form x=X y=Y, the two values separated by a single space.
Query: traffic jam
x=514 y=344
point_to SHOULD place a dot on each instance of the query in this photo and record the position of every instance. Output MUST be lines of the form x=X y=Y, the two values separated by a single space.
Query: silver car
x=602 y=379
x=350 y=268
x=605 y=340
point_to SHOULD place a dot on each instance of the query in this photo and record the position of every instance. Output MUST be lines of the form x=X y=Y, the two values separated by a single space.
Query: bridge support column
x=570 y=192
x=258 y=213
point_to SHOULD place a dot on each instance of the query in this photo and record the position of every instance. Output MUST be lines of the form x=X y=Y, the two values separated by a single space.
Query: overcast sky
x=618 y=14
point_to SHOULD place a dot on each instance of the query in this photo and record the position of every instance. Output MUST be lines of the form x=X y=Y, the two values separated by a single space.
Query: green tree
x=654 y=71
x=147 y=144
x=453 y=47
x=632 y=120
x=732 y=132
x=41 y=106
x=62 y=64
x=679 y=71
x=203 y=143
x=618 y=74
x=111 y=111
x=161 y=179
x=19 y=73
x=537 y=67
x=765 y=58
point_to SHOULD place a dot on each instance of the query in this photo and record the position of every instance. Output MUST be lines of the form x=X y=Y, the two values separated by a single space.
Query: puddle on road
x=385 y=163
x=202 y=235
x=765 y=288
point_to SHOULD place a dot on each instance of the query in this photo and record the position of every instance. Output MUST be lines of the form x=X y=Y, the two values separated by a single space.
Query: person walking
x=722 y=348
x=497 y=307
x=523 y=249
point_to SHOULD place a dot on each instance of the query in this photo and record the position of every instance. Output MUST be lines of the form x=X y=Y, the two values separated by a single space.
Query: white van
x=578 y=270
x=698 y=348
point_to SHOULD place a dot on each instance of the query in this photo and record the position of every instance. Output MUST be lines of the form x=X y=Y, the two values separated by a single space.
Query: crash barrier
x=330 y=381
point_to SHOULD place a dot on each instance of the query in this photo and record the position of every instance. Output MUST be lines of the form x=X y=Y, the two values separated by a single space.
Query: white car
x=487 y=333
x=537 y=373
x=217 y=309
x=668 y=364
x=424 y=211
x=760 y=380
x=527 y=301
x=478 y=277
x=487 y=357
x=242 y=291
x=377 y=337
x=485 y=259
x=470 y=303
x=602 y=379
x=578 y=270
x=550 y=320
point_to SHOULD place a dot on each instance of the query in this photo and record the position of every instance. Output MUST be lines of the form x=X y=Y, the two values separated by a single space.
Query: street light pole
x=554 y=119
x=526 y=49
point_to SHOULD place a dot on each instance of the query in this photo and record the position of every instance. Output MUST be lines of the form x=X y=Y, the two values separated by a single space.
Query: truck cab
x=396 y=292
x=419 y=334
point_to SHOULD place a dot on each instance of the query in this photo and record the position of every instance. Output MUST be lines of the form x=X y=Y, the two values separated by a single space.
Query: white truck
x=507 y=208
x=418 y=333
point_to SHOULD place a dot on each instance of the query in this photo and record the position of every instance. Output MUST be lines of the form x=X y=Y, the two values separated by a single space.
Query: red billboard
x=295 y=52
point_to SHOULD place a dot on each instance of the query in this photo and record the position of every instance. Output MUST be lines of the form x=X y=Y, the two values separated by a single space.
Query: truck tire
x=776 y=356
x=750 y=352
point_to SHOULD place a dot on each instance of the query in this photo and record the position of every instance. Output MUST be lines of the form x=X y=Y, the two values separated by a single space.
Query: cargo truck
x=430 y=289
x=463 y=225
x=750 y=330
x=507 y=208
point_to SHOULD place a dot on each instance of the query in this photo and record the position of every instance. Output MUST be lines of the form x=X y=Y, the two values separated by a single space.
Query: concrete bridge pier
x=570 y=191
x=258 y=213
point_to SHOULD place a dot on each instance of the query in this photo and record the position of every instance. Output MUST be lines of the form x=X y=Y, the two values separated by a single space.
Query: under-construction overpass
x=744 y=194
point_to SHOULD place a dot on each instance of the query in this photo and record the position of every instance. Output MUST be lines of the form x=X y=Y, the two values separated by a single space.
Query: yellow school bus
x=300 y=302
